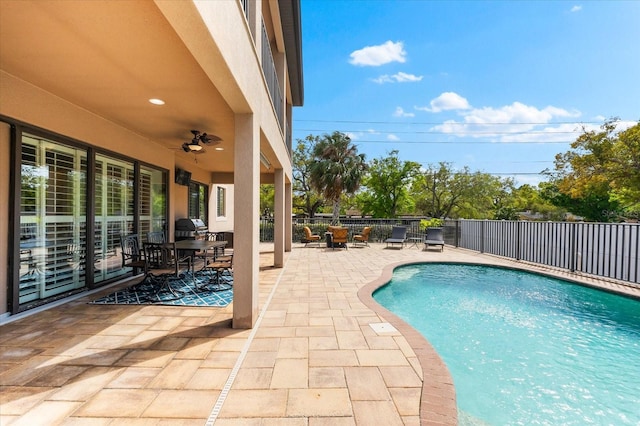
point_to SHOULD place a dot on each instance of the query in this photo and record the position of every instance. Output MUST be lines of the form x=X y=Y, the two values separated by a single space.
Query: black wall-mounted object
x=183 y=177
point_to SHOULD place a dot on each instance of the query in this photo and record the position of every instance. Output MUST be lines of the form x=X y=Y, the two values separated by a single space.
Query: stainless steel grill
x=190 y=229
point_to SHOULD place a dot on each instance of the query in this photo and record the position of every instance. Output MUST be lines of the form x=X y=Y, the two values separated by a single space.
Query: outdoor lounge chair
x=398 y=236
x=309 y=237
x=362 y=238
x=338 y=236
x=434 y=238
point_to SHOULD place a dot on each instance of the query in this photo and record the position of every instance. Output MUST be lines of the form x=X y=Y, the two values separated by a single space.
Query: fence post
x=457 y=238
x=574 y=243
x=518 y=226
x=482 y=236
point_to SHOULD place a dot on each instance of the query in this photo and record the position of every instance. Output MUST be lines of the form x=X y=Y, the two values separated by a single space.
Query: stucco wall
x=27 y=103
x=4 y=212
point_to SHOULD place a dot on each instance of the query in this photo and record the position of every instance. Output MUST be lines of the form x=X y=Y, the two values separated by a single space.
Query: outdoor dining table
x=194 y=246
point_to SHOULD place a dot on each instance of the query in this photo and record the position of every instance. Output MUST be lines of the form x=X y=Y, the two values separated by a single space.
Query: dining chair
x=132 y=257
x=219 y=267
x=162 y=265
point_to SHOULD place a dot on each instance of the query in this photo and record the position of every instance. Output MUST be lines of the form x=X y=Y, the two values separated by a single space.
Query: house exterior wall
x=5 y=174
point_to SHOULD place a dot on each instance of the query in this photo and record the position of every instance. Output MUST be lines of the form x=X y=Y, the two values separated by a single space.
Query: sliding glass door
x=114 y=210
x=52 y=219
x=55 y=258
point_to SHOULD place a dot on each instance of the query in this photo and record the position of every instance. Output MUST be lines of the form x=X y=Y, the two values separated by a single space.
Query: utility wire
x=358 y=141
x=461 y=132
x=440 y=122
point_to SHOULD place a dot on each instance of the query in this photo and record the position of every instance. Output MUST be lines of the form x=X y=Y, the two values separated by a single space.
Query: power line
x=358 y=141
x=459 y=124
x=461 y=132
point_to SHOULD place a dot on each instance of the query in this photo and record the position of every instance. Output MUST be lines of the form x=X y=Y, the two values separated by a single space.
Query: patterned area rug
x=202 y=292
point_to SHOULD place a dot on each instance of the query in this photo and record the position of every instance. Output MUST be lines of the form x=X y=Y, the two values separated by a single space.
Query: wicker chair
x=362 y=238
x=339 y=236
x=310 y=237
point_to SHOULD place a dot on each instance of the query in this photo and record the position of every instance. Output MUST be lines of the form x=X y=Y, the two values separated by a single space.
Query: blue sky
x=500 y=87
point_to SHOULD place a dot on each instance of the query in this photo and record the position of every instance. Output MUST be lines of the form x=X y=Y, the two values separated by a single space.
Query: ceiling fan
x=194 y=146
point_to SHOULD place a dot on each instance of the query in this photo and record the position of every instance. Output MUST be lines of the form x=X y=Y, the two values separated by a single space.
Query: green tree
x=599 y=177
x=337 y=168
x=595 y=205
x=386 y=184
x=441 y=192
x=437 y=190
x=305 y=198
x=527 y=198
x=267 y=192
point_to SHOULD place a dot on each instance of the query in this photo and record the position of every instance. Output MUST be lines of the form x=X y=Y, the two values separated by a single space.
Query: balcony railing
x=271 y=77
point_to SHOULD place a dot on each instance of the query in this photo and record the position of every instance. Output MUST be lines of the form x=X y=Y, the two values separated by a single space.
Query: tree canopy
x=599 y=177
x=386 y=186
x=337 y=168
x=305 y=198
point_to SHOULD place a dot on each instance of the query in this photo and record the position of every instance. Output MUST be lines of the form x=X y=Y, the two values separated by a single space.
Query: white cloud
x=445 y=102
x=399 y=112
x=374 y=56
x=515 y=123
x=400 y=77
x=392 y=137
x=576 y=8
x=385 y=78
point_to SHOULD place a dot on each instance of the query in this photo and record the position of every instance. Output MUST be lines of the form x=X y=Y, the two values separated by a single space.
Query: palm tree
x=337 y=168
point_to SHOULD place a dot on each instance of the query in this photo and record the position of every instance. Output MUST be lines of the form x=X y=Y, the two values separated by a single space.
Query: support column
x=246 y=215
x=288 y=203
x=278 y=218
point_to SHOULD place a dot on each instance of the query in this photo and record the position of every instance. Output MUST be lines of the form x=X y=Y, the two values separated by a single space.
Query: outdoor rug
x=208 y=293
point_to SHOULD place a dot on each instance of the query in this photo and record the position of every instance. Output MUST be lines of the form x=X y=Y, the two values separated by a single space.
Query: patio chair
x=208 y=255
x=338 y=237
x=156 y=237
x=362 y=238
x=310 y=237
x=132 y=257
x=434 y=238
x=219 y=266
x=398 y=236
x=163 y=264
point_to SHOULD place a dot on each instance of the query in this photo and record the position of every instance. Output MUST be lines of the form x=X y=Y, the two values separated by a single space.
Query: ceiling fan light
x=195 y=147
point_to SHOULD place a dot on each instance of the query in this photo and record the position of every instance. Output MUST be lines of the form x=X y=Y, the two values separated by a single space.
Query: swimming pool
x=525 y=348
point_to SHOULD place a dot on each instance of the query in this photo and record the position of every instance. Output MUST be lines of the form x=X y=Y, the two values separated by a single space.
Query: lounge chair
x=338 y=236
x=398 y=236
x=310 y=237
x=434 y=238
x=362 y=238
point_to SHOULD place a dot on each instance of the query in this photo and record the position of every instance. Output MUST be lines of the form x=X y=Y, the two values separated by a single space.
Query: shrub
x=434 y=222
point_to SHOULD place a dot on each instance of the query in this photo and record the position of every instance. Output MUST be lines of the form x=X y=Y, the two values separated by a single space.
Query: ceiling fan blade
x=208 y=139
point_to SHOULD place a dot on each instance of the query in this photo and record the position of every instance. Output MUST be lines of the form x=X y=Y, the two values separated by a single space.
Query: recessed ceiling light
x=156 y=101
x=219 y=148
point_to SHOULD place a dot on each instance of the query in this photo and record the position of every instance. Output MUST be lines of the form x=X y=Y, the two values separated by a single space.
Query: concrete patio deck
x=313 y=358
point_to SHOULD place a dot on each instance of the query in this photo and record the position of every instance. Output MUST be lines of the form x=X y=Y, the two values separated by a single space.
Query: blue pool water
x=523 y=348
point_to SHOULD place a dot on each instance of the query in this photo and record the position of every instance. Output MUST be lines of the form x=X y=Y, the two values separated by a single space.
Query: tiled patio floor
x=313 y=358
